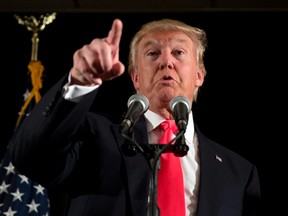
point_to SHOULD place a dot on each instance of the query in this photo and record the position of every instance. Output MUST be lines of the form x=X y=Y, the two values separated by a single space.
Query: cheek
x=194 y=77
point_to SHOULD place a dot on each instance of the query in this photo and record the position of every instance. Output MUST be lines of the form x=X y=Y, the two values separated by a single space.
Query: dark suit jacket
x=72 y=149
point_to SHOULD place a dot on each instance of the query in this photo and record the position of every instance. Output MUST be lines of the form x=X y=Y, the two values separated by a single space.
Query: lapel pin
x=218 y=158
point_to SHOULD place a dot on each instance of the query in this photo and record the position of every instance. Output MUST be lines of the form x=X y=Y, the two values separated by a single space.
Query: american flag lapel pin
x=218 y=158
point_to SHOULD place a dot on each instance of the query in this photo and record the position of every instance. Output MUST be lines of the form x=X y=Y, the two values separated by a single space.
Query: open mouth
x=167 y=77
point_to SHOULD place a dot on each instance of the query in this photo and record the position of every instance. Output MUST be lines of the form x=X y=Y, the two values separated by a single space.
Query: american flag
x=19 y=195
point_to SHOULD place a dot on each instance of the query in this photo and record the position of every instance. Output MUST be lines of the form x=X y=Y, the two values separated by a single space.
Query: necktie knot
x=169 y=127
x=169 y=124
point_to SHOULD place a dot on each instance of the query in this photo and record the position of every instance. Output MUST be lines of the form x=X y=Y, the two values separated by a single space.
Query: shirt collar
x=153 y=120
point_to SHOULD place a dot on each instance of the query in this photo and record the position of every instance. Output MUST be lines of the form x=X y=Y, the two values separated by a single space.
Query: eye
x=178 y=52
x=153 y=54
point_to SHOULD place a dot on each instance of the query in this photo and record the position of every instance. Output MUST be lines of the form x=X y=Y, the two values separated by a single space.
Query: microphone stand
x=154 y=151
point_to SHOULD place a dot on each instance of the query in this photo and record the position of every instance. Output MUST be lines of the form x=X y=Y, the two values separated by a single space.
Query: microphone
x=180 y=106
x=137 y=105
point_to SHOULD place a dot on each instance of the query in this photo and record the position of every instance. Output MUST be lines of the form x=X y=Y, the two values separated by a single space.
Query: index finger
x=115 y=33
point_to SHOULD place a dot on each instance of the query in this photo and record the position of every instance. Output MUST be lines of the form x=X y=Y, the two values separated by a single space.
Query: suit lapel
x=209 y=191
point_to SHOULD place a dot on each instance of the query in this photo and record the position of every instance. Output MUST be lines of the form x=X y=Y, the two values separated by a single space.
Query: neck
x=164 y=112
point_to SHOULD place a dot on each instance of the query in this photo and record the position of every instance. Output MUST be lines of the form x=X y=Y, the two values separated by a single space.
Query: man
x=66 y=144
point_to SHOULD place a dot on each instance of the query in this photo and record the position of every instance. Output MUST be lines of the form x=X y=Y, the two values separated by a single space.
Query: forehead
x=163 y=37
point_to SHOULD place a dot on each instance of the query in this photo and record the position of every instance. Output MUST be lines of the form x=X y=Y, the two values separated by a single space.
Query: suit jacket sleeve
x=44 y=137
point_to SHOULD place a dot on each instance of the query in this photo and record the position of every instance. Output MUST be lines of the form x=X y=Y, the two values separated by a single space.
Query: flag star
x=10 y=212
x=39 y=189
x=24 y=179
x=10 y=168
x=26 y=94
x=17 y=195
x=33 y=206
x=3 y=187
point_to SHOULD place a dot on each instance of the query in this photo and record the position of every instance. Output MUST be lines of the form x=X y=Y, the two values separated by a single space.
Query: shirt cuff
x=75 y=93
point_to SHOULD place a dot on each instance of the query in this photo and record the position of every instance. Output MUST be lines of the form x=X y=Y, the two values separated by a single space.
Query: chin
x=167 y=96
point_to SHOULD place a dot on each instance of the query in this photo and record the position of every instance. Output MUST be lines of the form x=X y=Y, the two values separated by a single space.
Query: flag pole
x=35 y=67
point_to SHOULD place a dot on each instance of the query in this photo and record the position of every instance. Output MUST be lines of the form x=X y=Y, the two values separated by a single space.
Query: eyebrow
x=153 y=41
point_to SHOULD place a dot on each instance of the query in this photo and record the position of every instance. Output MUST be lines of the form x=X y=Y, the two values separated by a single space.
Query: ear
x=135 y=79
x=200 y=75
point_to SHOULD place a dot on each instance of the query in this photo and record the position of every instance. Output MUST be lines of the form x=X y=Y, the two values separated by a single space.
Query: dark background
x=242 y=104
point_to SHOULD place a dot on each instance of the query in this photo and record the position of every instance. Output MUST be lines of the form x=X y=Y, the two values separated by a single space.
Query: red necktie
x=170 y=179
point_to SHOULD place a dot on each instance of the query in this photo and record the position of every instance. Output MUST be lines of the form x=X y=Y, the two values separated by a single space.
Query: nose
x=166 y=61
x=164 y=65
